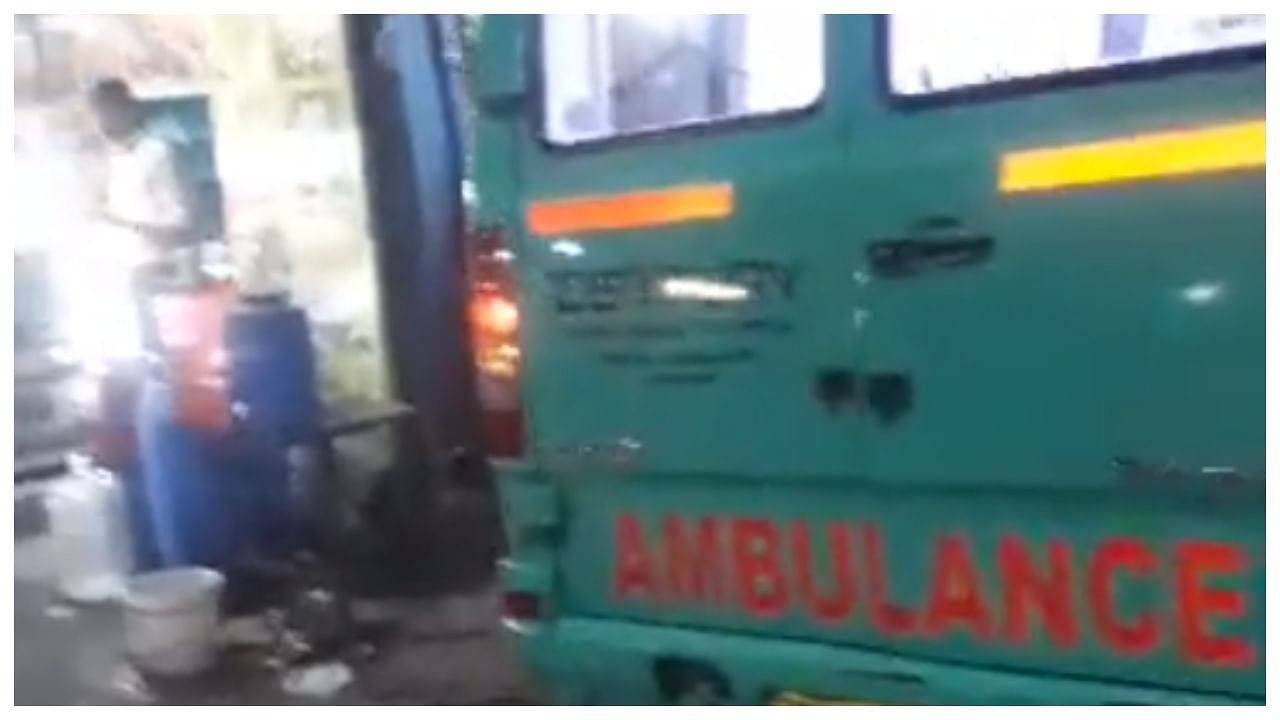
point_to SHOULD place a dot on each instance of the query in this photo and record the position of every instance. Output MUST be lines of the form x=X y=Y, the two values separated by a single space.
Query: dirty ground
x=445 y=649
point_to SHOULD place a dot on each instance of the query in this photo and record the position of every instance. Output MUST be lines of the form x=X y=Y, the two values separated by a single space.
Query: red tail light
x=521 y=606
x=494 y=317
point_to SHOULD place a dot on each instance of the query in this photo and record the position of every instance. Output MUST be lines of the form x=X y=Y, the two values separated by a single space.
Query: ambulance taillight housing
x=519 y=606
x=493 y=316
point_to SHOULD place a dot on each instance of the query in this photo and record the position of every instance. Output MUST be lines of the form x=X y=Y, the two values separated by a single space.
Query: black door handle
x=909 y=255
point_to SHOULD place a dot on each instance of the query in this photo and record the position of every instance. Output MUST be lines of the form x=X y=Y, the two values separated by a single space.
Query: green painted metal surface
x=1098 y=380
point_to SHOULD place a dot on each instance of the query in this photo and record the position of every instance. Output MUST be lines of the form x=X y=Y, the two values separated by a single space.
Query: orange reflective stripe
x=1196 y=151
x=624 y=211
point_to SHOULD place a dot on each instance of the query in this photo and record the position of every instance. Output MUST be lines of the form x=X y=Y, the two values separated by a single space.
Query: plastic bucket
x=171 y=620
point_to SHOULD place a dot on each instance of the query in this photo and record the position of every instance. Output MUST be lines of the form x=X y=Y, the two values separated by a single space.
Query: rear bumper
x=611 y=662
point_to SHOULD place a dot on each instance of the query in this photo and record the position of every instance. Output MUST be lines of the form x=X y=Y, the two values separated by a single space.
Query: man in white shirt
x=145 y=191
x=145 y=197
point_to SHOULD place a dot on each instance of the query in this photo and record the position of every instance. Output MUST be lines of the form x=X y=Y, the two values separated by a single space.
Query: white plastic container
x=171 y=620
x=89 y=530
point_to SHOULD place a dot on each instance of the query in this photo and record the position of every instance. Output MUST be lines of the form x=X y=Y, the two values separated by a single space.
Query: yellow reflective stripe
x=1196 y=151
x=629 y=210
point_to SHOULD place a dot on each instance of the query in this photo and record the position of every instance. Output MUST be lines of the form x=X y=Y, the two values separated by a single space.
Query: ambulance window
x=935 y=54
x=610 y=75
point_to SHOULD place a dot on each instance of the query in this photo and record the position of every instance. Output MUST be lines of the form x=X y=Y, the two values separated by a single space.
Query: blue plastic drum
x=216 y=499
x=185 y=487
x=273 y=370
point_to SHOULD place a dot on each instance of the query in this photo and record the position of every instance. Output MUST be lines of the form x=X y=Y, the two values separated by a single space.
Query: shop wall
x=288 y=151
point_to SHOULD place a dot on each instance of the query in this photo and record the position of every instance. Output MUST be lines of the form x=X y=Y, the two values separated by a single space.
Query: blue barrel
x=185 y=488
x=273 y=370
x=256 y=487
x=215 y=499
x=219 y=497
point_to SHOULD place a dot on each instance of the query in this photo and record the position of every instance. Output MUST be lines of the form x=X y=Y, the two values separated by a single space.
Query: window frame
x=1154 y=69
x=673 y=133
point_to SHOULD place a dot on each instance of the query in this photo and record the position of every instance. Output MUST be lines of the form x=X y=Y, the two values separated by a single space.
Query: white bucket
x=171 y=620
